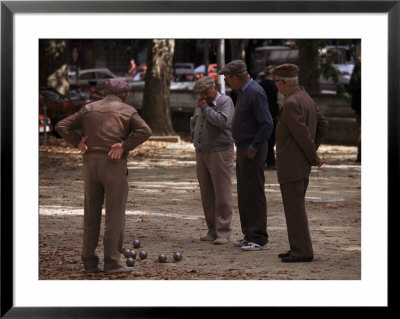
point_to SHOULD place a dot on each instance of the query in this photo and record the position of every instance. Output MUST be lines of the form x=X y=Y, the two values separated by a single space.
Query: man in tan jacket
x=111 y=129
x=299 y=132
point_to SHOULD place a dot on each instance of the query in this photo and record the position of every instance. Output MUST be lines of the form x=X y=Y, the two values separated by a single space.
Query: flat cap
x=286 y=70
x=117 y=86
x=234 y=67
x=203 y=84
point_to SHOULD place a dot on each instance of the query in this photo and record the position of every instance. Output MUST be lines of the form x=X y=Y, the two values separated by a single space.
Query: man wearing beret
x=299 y=132
x=252 y=126
x=212 y=138
x=111 y=129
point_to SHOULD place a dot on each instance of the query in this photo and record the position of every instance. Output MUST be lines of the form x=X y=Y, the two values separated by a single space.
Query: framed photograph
x=23 y=23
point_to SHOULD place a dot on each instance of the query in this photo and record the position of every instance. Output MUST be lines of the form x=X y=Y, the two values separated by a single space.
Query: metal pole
x=45 y=123
x=221 y=63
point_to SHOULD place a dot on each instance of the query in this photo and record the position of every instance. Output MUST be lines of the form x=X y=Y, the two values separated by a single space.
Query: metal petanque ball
x=132 y=254
x=143 y=254
x=130 y=262
x=136 y=243
x=177 y=256
x=162 y=258
x=127 y=252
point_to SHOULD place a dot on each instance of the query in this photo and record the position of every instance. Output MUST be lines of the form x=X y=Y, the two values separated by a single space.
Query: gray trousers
x=293 y=196
x=214 y=172
x=251 y=196
x=104 y=179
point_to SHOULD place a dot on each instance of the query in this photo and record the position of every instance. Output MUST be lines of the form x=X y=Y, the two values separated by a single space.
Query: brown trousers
x=293 y=196
x=214 y=172
x=104 y=179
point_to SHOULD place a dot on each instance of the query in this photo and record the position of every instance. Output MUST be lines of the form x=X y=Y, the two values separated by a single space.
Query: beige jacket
x=299 y=132
x=105 y=122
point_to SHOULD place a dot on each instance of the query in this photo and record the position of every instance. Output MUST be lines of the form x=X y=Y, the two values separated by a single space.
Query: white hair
x=291 y=81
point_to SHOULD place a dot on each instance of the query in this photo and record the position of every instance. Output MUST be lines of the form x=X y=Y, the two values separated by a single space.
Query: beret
x=235 y=67
x=286 y=70
x=117 y=86
x=203 y=84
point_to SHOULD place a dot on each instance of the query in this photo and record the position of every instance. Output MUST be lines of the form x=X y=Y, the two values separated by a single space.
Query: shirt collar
x=246 y=85
x=216 y=98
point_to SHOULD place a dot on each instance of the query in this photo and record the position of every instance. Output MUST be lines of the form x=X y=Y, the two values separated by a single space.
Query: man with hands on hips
x=111 y=129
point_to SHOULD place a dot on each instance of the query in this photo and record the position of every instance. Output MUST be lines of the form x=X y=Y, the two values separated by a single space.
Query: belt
x=103 y=156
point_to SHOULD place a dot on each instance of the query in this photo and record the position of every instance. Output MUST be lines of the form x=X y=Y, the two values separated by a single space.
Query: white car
x=92 y=77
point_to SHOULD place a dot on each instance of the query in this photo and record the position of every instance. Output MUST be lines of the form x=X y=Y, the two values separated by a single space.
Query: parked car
x=57 y=106
x=184 y=72
x=44 y=125
x=344 y=72
x=201 y=70
x=84 y=92
x=92 y=77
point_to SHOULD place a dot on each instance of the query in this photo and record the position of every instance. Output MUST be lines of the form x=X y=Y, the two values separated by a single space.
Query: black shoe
x=294 y=259
x=284 y=254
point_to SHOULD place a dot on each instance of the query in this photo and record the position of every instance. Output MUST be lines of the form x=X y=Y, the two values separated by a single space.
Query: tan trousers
x=214 y=172
x=293 y=196
x=104 y=179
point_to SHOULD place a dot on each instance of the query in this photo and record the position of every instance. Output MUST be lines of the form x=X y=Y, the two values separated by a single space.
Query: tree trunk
x=53 y=57
x=309 y=72
x=156 y=108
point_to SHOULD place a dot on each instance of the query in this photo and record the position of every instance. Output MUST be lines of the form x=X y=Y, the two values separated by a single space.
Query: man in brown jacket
x=111 y=129
x=298 y=135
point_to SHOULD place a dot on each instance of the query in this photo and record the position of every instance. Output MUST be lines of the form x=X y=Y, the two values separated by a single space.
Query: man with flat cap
x=299 y=133
x=212 y=138
x=252 y=126
x=111 y=129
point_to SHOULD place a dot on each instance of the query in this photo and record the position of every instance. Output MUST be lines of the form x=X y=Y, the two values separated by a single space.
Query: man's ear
x=126 y=96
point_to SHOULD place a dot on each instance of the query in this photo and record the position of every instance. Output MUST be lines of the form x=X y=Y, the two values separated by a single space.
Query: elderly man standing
x=299 y=132
x=212 y=138
x=111 y=129
x=252 y=126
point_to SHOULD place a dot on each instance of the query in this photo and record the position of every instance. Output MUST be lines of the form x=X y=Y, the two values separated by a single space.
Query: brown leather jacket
x=105 y=122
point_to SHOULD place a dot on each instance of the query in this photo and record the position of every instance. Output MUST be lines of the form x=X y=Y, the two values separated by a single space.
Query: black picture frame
x=9 y=8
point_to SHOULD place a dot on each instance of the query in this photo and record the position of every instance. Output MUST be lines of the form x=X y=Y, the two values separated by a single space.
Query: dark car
x=57 y=106
x=84 y=92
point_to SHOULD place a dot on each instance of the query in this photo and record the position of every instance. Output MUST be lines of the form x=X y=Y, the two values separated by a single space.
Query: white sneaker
x=240 y=242
x=253 y=246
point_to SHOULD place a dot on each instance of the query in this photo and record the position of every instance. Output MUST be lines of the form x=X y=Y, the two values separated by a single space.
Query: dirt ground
x=164 y=212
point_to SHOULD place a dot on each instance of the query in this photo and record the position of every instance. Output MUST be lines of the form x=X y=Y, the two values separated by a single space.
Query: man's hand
x=201 y=103
x=321 y=162
x=116 y=151
x=82 y=147
x=250 y=154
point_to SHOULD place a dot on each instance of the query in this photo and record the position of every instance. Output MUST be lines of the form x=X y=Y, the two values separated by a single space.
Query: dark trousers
x=251 y=196
x=293 y=196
